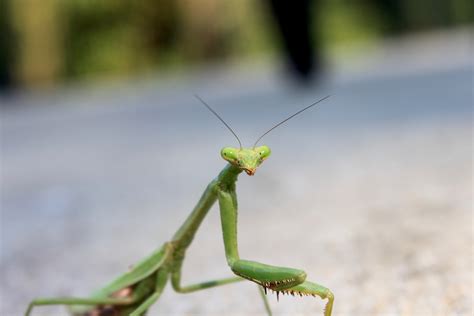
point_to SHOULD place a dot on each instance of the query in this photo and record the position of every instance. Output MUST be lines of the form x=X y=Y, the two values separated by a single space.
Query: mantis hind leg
x=176 y=282
x=78 y=301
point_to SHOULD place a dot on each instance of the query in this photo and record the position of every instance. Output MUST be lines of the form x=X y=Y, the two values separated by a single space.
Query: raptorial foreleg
x=279 y=279
x=313 y=289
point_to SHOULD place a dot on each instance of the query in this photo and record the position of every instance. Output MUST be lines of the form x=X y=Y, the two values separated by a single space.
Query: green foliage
x=121 y=38
x=117 y=37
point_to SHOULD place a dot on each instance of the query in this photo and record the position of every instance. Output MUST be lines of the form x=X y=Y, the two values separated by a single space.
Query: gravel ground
x=371 y=193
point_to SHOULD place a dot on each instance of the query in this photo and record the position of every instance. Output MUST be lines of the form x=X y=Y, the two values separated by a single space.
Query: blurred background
x=50 y=43
x=370 y=192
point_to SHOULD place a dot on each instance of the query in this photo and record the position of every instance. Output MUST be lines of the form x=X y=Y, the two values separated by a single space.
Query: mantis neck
x=224 y=181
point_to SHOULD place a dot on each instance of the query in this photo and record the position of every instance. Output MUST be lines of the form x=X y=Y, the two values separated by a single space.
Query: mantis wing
x=139 y=272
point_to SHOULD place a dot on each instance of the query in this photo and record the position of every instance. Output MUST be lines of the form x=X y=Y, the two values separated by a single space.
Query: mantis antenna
x=220 y=118
x=290 y=117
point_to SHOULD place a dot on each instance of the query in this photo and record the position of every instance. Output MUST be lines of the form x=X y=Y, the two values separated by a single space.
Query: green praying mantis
x=135 y=291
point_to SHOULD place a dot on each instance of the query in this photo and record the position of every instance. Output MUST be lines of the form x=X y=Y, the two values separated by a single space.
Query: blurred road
x=370 y=193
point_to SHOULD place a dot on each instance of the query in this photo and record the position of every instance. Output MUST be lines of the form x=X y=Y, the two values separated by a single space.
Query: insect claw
x=265 y=290
x=278 y=298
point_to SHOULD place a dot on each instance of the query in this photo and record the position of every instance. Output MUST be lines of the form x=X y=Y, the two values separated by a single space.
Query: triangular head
x=247 y=159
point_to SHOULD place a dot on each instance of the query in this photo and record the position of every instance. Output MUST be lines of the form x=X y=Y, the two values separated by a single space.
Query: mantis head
x=249 y=159
x=246 y=159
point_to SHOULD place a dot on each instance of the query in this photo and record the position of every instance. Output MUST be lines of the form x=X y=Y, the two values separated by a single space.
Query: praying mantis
x=135 y=291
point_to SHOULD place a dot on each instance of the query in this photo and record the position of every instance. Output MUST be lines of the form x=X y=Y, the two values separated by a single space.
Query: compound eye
x=229 y=154
x=263 y=151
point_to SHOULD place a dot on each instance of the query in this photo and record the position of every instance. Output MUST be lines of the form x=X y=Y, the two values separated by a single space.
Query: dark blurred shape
x=294 y=22
x=299 y=26
x=6 y=47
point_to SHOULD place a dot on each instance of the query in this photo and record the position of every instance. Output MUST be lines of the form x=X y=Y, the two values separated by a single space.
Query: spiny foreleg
x=311 y=289
x=279 y=279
